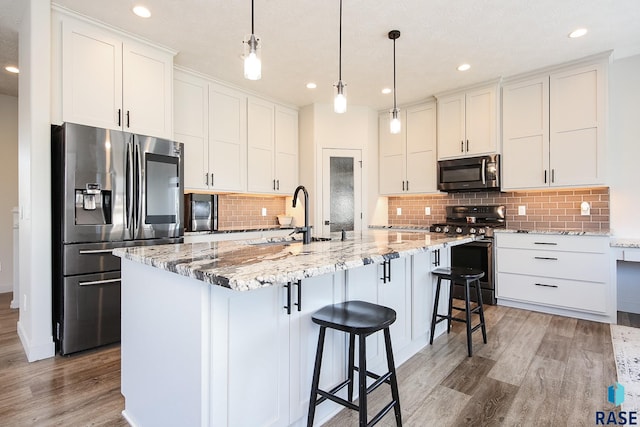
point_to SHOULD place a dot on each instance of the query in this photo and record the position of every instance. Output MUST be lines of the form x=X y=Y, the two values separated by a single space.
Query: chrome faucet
x=306 y=231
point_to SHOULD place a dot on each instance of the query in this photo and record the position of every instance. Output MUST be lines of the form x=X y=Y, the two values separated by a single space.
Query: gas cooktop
x=479 y=220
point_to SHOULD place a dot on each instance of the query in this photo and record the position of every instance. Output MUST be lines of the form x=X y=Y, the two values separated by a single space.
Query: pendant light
x=252 y=63
x=340 y=101
x=394 y=123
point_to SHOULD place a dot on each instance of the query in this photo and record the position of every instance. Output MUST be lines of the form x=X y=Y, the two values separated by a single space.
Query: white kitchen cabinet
x=468 y=122
x=114 y=82
x=210 y=120
x=408 y=159
x=567 y=275
x=272 y=153
x=554 y=129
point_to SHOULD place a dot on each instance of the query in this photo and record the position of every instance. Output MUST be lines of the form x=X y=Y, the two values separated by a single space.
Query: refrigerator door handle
x=129 y=201
x=99 y=282
x=139 y=191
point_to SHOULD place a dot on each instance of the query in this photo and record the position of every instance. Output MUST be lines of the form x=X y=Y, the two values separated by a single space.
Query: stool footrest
x=333 y=391
x=326 y=395
x=382 y=413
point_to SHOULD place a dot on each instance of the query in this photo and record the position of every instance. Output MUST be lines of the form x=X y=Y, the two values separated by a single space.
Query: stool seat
x=463 y=273
x=358 y=317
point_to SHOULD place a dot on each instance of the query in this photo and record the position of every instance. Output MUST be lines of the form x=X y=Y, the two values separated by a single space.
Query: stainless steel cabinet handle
x=545 y=285
x=274 y=184
x=467 y=145
x=545 y=243
x=545 y=176
x=278 y=184
x=436 y=257
x=402 y=185
x=119 y=115
x=546 y=257
x=206 y=179
x=462 y=146
x=95 y=251
x=212 y=179
x=99 y=282
x=407 y=185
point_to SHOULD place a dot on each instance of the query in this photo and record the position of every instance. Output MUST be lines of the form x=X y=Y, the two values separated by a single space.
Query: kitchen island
x=220 y=333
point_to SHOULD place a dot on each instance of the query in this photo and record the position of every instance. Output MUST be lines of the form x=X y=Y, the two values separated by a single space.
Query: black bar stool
x=462 y=276
x=362 y=319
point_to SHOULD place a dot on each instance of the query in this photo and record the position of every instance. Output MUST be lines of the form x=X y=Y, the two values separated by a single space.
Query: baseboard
x=36 y=351
x=629 y=306
x=6 y=287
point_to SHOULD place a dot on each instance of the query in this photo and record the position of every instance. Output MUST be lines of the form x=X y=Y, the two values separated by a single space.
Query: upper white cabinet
x=272 y=154
x=211 y=121
x=554 y=129
x=111 y=81
x=468 y=122
x=408 y=159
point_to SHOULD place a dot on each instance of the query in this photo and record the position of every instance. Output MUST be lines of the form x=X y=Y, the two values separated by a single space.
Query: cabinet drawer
x=593 y=244
x=591 y=267
x=575 y=295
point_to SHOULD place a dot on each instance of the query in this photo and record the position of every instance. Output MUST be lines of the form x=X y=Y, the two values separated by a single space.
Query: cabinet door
x=190 y=127
x=420 y=156
x=286 y=151
x=451 y=131
x=316 y=292
x=147 y=80
x=260 y=154
x=227 y=139
x=577 y=126
x=91 y=76
x=481 y=121
x=392 y=156
x=396 y=294
x=258 y=359
x=525 y=130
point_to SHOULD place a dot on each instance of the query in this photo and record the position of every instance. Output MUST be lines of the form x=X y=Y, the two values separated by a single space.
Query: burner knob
x=438 y=229
x=445 y=230
x=473 y=230
x=459 y=230
x=482 y=231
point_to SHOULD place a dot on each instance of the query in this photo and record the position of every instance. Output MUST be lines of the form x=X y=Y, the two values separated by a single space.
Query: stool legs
x=394 y=381
x=481 y=311
x=362 y=381
x=467 y=312
x=316 y=377
x=352 y=345
x=435 y=310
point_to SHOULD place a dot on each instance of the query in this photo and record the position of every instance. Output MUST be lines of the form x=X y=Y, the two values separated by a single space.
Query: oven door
x=477 y=254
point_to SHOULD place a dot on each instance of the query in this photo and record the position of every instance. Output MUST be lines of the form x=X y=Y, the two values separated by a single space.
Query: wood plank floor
x=536 y=369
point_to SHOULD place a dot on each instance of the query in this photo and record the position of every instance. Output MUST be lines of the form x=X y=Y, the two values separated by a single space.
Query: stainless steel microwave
x=469 y=174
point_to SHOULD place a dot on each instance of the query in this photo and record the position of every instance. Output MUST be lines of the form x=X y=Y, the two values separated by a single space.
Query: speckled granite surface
x=236 y=230
x=556 y=232
x=626 y=347
x=625 y=243
x=246 y=265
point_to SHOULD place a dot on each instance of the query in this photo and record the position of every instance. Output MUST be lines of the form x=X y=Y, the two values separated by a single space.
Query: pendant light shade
x=340 y=101
x=252 y=61
x=395 y=126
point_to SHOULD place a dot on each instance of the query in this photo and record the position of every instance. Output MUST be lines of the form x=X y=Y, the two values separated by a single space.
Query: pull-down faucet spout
x=306 y=231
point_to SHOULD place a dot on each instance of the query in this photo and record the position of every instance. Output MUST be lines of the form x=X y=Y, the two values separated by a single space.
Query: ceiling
x=300 y=40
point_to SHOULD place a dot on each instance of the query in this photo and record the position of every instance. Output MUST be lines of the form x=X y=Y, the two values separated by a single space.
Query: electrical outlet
x=427 y=210
x=399 y=211
x=264 y=211
x=522 y=210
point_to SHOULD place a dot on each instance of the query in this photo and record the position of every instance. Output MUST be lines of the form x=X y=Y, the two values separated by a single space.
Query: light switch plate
x=427 y=210
x=522 y=210
x=264 y=211
x=399 y=211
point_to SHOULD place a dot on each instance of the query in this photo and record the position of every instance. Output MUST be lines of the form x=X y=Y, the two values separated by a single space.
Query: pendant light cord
x=339 y=46
x=252 y=32
x=394 y=74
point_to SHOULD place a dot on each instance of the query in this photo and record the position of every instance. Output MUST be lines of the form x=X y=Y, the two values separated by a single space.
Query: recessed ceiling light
x=12 y=69
x=311 y=85
x=578 y=33
x=464 y=67
x=141 y=11
x=386 y=91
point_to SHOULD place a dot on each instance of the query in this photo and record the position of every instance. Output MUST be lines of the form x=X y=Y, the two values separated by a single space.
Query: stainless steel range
x=479 y=221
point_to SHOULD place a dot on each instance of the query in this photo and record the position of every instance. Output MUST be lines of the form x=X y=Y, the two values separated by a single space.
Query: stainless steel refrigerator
x=109 y=189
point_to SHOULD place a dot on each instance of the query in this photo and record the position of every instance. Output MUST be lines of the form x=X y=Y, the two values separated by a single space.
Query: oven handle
x=484 y=177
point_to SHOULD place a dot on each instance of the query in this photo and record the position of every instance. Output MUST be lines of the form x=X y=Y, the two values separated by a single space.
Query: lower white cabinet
x=568 y=275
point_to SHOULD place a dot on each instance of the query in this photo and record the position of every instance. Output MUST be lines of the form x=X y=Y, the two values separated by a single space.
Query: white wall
x=624 y=146
x=8 y=186
x=357 y=129
x=34 y=159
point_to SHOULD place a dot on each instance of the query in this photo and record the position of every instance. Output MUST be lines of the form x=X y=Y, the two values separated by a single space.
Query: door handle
x=206 y=179
x=407 y=185
x=545 y=285
x=467 y=145
x=98 y=282
x=299 y=303
x=288 y=306
x=128 y=119
x=402 y=185
x=546 y=258
x=119 y=116
x=553 y=175
x=95 y=251
x=130 y=185
x=278 y=184
x=545 y=243
x=386 y=271
x=274 y=184
x=212 y=179
x=462 y=146
x=327 y=222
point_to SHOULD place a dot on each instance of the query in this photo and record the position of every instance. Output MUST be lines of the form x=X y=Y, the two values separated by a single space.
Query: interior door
x=341 y=190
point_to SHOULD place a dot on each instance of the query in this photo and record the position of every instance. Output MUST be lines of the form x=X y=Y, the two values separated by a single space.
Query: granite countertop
x=563 y=232
x=252 y=264
x=238 y=230
x=625 y=243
